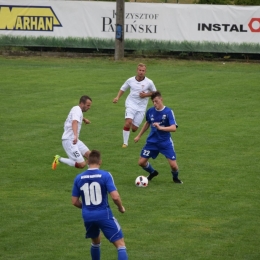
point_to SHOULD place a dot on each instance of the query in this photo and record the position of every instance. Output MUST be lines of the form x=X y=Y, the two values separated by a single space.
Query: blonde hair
x=141 y=65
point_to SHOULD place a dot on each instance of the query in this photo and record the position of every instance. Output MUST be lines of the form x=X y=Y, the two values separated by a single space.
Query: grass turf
x=213 y=215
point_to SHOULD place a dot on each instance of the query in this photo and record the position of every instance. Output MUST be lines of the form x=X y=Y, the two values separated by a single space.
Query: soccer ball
x=141 y=181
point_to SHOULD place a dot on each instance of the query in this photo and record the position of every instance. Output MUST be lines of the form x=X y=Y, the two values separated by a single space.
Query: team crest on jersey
x=163 y=119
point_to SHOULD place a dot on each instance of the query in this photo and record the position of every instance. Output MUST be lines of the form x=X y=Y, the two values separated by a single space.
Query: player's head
x=156 y=94
x=94 y=157
x=156 y=97
x=141 y=70
x=85 y=103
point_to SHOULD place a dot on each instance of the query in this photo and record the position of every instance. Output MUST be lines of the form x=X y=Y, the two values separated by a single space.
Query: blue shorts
x=110 y=228
x=151 y=150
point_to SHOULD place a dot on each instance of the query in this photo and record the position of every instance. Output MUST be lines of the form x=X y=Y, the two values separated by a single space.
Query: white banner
x=143 y=21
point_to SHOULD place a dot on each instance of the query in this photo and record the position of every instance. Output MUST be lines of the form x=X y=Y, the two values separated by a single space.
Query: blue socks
x=175 y=174
x=121 y=253
x=149 y=168
x=95 y=251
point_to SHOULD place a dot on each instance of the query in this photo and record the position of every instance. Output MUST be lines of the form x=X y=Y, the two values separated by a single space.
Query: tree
x=228 y=2
x=247 y=2
x=215 y=2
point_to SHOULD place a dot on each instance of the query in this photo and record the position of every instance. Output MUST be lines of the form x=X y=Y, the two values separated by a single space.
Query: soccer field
x=213 y=215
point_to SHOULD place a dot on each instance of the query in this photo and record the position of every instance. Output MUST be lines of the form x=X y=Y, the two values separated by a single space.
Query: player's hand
x=75 y=140
x=122 y=209
x=115 y=100
x=142 y=94
x=157 y=125
x=136 y=139
x=86 y=121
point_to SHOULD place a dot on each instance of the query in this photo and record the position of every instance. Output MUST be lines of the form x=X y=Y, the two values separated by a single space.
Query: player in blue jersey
x=162 y=122
x=90 y=193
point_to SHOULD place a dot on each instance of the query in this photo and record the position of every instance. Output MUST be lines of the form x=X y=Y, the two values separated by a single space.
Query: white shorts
x=136 y=116
x=75 y=151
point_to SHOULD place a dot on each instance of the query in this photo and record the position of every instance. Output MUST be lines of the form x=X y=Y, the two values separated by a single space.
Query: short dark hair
x=156 y=94
x=84 y=99
x=94 y=157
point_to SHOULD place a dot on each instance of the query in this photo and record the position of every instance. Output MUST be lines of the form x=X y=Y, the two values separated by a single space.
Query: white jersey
x=133 y=100
x=74 y=114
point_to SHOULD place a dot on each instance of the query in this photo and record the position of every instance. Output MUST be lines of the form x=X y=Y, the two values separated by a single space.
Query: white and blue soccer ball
x=141 y=181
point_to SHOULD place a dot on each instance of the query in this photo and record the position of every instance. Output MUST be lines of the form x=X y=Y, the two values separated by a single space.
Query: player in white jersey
x=75 y=149
x=141 y=88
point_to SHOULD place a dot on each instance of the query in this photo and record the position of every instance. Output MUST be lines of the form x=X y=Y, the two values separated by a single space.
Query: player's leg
x=84 y=150
x=113 y=232
x=121 y=249
x=75 y=157
x=95 y=248
x=67 y=144
x=167 y=149
x=126 y=131
x=143 y=162
x=93 y=232
x=129 y=115
x=174 y=171
x=137 y=120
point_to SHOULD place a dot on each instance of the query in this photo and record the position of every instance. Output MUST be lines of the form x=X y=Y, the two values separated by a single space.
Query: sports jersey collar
x=139 y=80
x=161 y=109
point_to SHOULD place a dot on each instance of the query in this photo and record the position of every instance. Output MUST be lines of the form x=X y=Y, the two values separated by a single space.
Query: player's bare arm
x=144 y=94
x=144 y=128
x=76 y=202
x=120 y=93
x=117 y=200
x=86 y=121
x=75 y=131
x=171 y=128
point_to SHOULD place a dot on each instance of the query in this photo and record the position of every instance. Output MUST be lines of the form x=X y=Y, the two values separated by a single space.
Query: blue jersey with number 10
x=164 y=117
x=93 y=187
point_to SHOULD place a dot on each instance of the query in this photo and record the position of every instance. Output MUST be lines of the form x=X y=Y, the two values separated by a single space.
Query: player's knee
x=87 y=154
x=127 y=127
x=96 y=241
x=80 y=165
x=134 y=128
x=119 y=243
x=141 y=163
x=128 y=122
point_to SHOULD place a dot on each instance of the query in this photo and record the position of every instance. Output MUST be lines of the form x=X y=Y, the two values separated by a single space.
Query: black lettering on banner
x=216 y=27
x=107 y=25
x=234 y=28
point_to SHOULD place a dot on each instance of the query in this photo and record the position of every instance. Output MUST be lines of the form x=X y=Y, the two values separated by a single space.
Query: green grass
x=213 y=215
x=130 y=44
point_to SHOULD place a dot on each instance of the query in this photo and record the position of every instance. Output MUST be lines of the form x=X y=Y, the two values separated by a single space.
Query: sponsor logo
x=28 y=18
x=142 y=23
x=253 y=25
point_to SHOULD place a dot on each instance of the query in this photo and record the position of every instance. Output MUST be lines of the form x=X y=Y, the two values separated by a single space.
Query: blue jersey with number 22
x=164 y=117
x=93 y=187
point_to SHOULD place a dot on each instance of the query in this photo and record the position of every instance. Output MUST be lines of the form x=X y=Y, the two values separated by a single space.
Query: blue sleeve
x=147 y=118
x=75 y=189
x=110 y=185
x=171 y=118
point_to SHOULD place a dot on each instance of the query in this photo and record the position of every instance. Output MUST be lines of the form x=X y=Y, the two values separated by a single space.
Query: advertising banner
x=148 y=26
